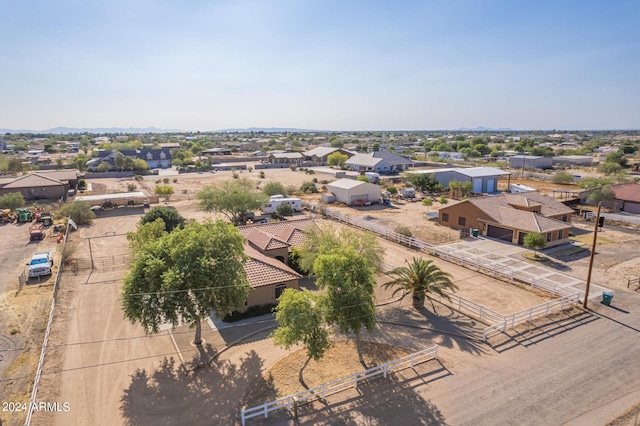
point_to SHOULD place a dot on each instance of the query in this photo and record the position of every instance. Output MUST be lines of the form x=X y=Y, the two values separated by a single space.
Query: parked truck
x=41 y=264
x=272 y=205
x=24 y=215
x=36 y=231
x=45 y=217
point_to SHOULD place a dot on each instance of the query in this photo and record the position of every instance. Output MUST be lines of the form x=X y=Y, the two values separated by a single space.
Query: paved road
x=629 y=218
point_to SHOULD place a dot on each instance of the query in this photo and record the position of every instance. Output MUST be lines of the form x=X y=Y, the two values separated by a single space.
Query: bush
x=131 y=187
x=274 y=188
x=310 y=172
x=250 y=169
x=165 y=180
x=285 y=210
x=12 y=201
x=363 y=178
x=175 y=180
x=293 y=167
x=79 y=211
x=562 y=178
x=252 y=311
x=138 y=177
x=314 y=180
x=261 y=176
x=171 y=218
x=403 y=230
x=82 y=184
x=392 y=189
x=309 y=187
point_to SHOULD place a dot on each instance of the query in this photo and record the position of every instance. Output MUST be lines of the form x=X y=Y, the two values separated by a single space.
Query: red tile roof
x=627 y=192
x=263 y=270
x=288 y=231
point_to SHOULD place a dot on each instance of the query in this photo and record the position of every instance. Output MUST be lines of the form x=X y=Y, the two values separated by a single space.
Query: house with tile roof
x=268 y=246
x=627 y=197
x=320 y=154
x=510 y=217
x=285 y=158
x=378 y=161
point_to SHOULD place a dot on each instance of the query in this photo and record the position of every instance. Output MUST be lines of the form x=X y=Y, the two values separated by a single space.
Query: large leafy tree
x=79 y=211
x=323 y=240
x=185 y=275
x=170 y=217
x=421 y=278
x=301 y=320
x=232 y=198
x=165 y=191
x=146 y=232
x=348 y=281
x=337 y=159
x=274 y=188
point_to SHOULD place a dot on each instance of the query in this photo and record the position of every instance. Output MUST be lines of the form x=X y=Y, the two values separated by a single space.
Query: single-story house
x=530 y=162
x=268 y=246
x=320 y=154
x=627 y=197
x=509 y=217
x=286 y=158
x=397 y=162
x=378 y=161
x=37 y=186
x=241 y=146
x=573 y=160
x=68 y=177
x=348 y=190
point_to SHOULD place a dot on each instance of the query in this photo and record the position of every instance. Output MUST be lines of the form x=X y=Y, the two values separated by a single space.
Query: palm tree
x=421 y=277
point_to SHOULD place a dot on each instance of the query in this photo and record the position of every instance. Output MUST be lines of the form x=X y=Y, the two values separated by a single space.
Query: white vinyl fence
x=351 y=381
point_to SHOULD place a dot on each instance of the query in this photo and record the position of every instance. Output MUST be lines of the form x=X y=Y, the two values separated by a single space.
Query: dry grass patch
x=340 y=361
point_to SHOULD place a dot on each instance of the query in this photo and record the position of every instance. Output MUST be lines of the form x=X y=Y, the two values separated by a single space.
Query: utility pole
x=593 y=252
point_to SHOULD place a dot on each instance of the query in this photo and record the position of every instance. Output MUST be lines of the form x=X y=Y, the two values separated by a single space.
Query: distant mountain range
x=65 y=130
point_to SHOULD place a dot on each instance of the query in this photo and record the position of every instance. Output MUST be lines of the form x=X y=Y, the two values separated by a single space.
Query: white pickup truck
x=41 y=264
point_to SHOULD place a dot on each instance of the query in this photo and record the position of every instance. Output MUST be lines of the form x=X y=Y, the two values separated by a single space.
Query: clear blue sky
x=340 y=65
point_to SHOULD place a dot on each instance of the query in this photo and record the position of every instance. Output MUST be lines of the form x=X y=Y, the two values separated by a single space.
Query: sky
x=201 y=65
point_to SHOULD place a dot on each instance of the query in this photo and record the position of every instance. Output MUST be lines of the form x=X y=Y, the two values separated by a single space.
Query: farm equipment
x=45 y=217
x=24 y=215
x=7 y=216
x=108 y=205
x=36 y=231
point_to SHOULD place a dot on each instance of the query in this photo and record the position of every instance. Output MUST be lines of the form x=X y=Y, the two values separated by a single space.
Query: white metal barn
x=348 y=190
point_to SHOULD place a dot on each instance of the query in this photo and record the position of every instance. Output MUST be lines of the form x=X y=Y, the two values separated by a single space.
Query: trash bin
x=606 y=298
x=474 y=232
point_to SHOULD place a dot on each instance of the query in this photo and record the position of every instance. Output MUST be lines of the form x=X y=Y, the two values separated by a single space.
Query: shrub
x=252 y=311
x=403 y=230
x=171 y=218
x=392 y=189
x=284 y=210
x=82 y=184
x=79 y=211
x=443 y=200
x=12 y=201
x=250 y=169
x=562 y=178
x=131 y=187
x=261 y=176
x=309 y=187
x=293 y=167
x=138 y=177
x=274 y=188
x=310 y=172
x=363 y=178
x=314 y=180
x=175 y=180
x=165 y=180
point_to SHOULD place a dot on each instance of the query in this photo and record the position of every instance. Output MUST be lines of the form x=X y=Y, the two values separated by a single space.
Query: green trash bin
x=606 y=298
x=474 y=232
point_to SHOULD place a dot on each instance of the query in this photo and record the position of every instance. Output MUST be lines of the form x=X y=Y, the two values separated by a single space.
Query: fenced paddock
x=348 y=382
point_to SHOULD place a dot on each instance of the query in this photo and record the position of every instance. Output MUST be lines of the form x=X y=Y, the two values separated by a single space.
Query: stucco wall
x=267 y=294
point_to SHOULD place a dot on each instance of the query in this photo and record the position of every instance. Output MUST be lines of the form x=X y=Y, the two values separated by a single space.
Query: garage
x=477 y=185
x=500 y=233
x=521 y=236
x=631 y=207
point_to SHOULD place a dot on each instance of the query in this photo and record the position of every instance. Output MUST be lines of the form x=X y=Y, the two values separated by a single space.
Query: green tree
x=424 y=183
x=165 y=191
x=170 y=218
x=427 y=202
x=348 y=281
x=15 y=165
x=274 y=188
x=146 y=232
x=139 y=164
x=609 y=168
x=616 y=158
x=337 y=159
x=421 y=278
x=322 y=240
x=309 y=187
x=363 y=178
x=79 y=211
x=593 y=183
x=300 y=318
x=185 y=275
x=12 y=201
x=232 y=198
x=603 y=195
x=535 y=241
x=284 y=210
x=443 y=200
x=562 y=178
x=104 y=166
x=392 y=189
x=119 y=161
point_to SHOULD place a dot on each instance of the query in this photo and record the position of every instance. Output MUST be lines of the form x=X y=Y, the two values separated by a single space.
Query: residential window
x=548 y=236
x=462 y=221
x=564 y=217
x=279 y=290
x=560 y=234
x=445 y=217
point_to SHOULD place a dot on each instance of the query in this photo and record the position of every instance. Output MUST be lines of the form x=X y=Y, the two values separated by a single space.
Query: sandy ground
x=532 y=373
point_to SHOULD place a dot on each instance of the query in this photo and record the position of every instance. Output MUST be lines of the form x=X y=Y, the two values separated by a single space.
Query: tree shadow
x=394 y=399
x=171 y=394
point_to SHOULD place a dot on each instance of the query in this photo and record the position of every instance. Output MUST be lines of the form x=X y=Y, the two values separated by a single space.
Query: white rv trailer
x=275 y=201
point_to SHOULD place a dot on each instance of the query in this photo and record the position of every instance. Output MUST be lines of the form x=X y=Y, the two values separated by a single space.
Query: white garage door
x=491 y=186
